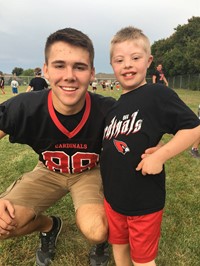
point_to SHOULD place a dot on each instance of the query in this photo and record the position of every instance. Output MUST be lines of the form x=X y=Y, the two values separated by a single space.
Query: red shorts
x=141 y=232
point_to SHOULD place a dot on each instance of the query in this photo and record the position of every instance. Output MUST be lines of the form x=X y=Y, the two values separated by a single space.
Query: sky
x=26 y=24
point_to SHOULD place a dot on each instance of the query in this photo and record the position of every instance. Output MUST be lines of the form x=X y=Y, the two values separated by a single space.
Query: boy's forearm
x=180 y=142
x=2 y=134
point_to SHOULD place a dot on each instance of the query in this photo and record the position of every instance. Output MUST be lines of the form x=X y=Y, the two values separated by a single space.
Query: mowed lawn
x=180 y=241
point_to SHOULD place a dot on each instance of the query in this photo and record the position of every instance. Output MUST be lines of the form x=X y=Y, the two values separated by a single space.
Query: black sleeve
x=8 y=117
x=177 y=115
x=45 y=84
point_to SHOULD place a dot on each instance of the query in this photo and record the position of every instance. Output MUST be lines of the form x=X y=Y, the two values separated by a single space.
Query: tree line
x=179 y=54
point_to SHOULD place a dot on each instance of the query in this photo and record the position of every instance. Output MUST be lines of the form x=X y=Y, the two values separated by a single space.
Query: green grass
x=180 y=241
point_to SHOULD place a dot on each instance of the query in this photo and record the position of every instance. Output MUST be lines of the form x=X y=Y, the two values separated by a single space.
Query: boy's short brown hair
x=38 y=71
x=73 y=37
x=131 y=33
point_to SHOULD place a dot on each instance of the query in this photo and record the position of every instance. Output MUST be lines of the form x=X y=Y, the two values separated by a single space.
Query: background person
x=37 y=83
x=2 y=82
x=14 y=85
x=159 y=77
x=94 y=85
x=195 y=147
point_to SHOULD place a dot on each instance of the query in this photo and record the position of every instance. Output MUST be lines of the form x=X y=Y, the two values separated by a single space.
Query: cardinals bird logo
x=121 y=146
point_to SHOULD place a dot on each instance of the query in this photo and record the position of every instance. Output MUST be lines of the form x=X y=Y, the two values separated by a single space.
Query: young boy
x=134 y=189
x=14 y=85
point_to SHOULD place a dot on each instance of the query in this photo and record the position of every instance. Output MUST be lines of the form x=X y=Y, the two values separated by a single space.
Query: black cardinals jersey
x=67 y=144
x=137 y=121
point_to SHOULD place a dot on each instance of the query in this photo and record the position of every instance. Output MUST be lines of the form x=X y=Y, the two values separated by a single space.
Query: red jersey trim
x=60 y=126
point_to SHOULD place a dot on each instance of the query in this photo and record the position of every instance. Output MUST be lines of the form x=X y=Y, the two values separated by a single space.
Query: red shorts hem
x=144 y=260
x=118 y=242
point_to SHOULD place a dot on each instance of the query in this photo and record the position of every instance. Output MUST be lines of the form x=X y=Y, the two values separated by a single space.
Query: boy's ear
x=150 y=60
x=92 y=74
x=45 y=71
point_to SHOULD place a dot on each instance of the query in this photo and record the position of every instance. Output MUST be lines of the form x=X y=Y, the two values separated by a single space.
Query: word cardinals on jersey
x=127 y=125
x=65 y=144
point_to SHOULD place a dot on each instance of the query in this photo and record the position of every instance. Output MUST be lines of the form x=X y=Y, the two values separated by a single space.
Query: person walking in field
x=94 y=86
x=2 y=82
x=37 y=83
x=14 y=85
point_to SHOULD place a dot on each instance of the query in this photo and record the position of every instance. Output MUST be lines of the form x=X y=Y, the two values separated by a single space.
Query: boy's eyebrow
x=63 y=62
x=58 y=62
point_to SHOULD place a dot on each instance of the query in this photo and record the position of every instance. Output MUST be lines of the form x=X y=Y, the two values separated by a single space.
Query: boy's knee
x=23 y=216
x=95 y=234
x=92 y=223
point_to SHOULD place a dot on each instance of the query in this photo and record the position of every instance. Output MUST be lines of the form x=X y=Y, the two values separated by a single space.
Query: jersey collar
x=60 y=126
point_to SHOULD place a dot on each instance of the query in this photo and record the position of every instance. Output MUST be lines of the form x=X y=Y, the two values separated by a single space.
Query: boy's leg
x=144 y=235
x=151 y=263
x=35 y=192
x=92 y=222
x=118 y=236
x=121 y=253
x=141 y=232
x=87 y=195
x=26 y=222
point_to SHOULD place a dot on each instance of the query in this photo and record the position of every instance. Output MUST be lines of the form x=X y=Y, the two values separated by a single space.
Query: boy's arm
x=7 y=217
x=165 y=80
x=2 y=134
x=153 y=164
x=28 y=88
x=7 y=212
x=151 y=150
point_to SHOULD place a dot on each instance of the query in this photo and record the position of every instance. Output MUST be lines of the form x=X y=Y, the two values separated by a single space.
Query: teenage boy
x=64 y=126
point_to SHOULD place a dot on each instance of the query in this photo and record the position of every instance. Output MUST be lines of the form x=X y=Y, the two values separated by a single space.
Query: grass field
x=180 y=242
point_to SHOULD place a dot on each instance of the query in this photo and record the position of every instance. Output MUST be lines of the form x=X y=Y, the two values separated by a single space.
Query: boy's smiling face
x=130 y=62
x=69 y=72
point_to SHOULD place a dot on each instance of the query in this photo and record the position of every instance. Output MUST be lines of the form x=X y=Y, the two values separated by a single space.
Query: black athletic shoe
x=46 y=253
x=99 y=255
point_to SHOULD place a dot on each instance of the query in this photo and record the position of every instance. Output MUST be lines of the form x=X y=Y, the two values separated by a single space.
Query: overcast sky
x=25 y=25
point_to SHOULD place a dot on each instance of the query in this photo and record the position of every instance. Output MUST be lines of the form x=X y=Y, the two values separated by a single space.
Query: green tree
x=28 y=72
x=179 y=53
x=17 y=71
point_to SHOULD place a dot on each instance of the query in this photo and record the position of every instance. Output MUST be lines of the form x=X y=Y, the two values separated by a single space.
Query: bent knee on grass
x=92 y=222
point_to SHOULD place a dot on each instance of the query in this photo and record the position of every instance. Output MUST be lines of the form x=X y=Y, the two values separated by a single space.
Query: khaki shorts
x=41 y=188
